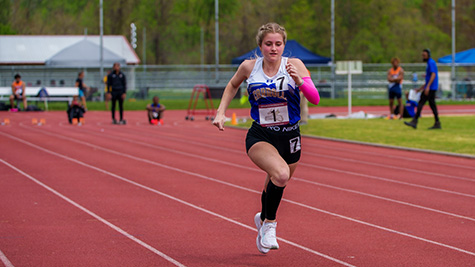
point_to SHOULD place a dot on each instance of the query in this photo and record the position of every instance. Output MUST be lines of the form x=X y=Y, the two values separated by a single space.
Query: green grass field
x=457 y=134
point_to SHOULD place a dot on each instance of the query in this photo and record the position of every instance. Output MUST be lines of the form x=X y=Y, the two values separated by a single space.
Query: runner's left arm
x=297 y=70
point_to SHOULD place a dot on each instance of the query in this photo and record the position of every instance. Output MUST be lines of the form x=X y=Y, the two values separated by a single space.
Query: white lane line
x=182 y=140
x=331 y=169
x=387 y=180
x=383 y=228
x=253 y=169
x=384 y=198
x=5 y=260
x=392 y=156
x=388 y=156
x=97 y=217
x=231 y=185
x=164 y=195
x=391 y=167
x=257 y=170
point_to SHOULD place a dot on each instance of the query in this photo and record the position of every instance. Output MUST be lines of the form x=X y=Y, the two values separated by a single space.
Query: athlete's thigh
x=266 y=157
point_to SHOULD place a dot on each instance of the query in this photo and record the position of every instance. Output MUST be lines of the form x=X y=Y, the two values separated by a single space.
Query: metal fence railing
x=141 y=79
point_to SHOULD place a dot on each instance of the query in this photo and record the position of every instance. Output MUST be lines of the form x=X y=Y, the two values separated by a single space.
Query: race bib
x=273 y=114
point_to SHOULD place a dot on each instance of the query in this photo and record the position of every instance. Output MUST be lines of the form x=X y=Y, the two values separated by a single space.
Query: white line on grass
x=229 y=184
x=164 y=195
x=97 y=217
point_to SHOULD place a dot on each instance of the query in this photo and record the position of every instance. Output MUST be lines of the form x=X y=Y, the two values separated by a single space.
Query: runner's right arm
x=230 y=91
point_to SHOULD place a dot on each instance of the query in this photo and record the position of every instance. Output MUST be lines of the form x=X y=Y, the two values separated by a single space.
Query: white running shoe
x=268 y=237
x=257 y=221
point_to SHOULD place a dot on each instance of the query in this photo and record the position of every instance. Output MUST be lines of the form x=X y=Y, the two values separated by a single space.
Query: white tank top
x=274 y=100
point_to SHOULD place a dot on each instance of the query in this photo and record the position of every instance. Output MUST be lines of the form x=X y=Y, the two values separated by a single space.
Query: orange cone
x=82 y=120
x=34 y=121
x=42 y=121
x=75 y=121
x=234 y=119
x=6 y=121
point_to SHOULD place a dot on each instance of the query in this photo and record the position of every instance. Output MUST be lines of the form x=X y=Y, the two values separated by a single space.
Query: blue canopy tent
x=292 y=49
x=467 y=56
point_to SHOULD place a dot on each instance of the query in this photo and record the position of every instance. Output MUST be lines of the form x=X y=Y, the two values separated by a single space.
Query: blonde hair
x=270 y=27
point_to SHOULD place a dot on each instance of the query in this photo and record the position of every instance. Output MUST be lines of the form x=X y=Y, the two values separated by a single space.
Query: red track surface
x=185 y=193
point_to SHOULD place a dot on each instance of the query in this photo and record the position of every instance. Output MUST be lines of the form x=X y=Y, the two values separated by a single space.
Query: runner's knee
x=281 y=176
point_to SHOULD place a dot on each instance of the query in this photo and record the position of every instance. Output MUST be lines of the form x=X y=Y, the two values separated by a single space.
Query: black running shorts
x=286 y=139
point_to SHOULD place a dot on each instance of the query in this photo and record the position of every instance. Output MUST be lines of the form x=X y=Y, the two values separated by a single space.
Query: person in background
x=107 y=93
x=117 y=85
x=395 y=77
x=155 y=111
x=75 y=110
x=409 y=110
x=429 y=89
x=18 y=93
x=82 y=88
x=469 y=87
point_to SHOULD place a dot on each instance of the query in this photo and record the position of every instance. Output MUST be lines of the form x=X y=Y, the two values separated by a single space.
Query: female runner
x=273 y=141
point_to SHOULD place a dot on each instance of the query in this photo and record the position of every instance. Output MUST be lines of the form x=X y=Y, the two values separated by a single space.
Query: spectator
x=117 y=85
x=429 y=90
x=409 y=110
x=75 y=110
x=83 y=88
x=395 y=77
x=155 y=111
x=469 y=86
x=18 y=93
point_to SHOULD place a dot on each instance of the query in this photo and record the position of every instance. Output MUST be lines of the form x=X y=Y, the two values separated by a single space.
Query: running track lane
x=178 y=223
x=334 y=241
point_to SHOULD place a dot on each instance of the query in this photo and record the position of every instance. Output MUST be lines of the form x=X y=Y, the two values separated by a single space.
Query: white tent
x=37 y=49
x=83 y=54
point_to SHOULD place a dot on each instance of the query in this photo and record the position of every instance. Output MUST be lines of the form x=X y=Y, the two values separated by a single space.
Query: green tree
x=5 y=27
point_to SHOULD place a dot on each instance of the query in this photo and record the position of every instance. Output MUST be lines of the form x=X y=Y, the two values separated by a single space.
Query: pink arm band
x=310 y=91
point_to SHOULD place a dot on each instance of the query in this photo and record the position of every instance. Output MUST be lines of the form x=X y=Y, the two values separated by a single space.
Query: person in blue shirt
x=155 y=111
x=83 y=88
x=429 y=91
x=409 y=110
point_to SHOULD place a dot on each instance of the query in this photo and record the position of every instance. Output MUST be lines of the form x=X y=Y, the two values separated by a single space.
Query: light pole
x=333 y=48
x=453 y=51
x=101 y=29
x=216 y=25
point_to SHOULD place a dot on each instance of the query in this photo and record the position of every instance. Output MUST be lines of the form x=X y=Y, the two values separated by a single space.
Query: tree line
x=370 y=30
